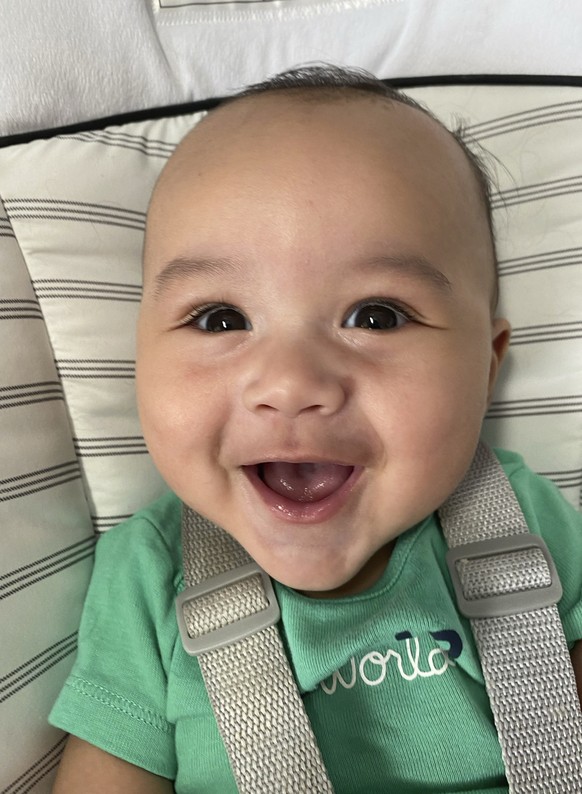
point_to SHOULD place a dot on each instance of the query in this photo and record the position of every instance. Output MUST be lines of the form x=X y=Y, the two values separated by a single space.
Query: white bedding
x=62 y=62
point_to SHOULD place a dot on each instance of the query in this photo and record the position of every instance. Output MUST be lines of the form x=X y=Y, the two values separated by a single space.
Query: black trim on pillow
x=168 y=111
x=486 y=79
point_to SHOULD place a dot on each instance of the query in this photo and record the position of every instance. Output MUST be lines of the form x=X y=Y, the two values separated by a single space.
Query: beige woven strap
x=227 y=617
x=507 y=585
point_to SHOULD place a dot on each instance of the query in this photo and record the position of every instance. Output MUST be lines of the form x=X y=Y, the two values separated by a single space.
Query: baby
x=317 y=348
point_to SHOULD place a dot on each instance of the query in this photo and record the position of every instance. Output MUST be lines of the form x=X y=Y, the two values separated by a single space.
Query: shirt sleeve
x=115 y=696
x=549 y=514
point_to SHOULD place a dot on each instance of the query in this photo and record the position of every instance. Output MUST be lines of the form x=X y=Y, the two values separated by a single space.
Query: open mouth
x=304 y=482
x=303 y=491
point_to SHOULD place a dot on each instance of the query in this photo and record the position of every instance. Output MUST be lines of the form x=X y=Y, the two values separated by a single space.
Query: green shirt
x=390 y=677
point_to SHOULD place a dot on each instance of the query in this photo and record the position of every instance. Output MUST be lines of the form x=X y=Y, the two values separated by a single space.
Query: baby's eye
x=218 y=318
x=374 y=315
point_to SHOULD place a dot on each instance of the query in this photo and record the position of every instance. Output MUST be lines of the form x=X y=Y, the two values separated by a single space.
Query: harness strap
x=506 y=584
x=508 y=587
x=256 y=702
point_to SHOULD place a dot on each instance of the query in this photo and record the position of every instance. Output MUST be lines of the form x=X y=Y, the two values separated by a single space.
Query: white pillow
x=123 y=54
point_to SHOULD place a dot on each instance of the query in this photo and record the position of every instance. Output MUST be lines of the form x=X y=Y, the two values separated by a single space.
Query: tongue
x=304 y=482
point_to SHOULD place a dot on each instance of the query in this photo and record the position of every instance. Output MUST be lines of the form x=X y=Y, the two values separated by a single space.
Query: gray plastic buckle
x=227 y=635
x=505 y=603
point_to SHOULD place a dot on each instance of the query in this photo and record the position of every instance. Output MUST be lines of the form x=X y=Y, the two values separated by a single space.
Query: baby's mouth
x=304 y=481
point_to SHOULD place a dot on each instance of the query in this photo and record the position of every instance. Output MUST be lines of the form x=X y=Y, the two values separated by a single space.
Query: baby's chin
x=314 y=581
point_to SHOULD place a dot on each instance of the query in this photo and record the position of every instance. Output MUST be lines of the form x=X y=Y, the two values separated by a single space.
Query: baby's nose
x=293 y=379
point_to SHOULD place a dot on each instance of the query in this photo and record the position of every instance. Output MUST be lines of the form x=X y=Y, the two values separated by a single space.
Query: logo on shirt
x=411 y=662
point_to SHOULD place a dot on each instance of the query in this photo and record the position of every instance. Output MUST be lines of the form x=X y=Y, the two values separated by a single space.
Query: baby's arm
x=85 y=769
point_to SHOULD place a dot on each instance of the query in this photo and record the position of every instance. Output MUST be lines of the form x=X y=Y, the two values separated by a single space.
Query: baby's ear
x=500 y=336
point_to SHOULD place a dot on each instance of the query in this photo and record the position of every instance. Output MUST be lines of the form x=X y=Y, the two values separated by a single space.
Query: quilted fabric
x=73 y=460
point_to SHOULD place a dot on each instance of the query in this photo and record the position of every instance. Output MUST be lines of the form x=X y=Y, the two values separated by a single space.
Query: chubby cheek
x=440 y=415
x=181 y=417
x=456 y=406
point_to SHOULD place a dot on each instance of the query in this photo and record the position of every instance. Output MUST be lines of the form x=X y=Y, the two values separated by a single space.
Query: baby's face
x=316 y=348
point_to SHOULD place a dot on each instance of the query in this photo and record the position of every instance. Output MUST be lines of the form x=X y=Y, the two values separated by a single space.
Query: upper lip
x=315 y=447
x=304 y=457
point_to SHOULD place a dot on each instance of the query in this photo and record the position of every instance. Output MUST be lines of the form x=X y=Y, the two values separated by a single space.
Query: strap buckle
x=503 y=604
x=232 y=632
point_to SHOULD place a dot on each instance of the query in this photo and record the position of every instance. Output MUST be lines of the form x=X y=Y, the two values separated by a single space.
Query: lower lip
x=303 y=512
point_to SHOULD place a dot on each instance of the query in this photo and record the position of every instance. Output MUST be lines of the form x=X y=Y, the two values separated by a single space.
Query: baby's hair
x=317 y=81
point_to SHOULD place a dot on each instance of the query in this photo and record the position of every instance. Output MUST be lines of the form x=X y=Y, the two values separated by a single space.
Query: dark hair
x=314 y=81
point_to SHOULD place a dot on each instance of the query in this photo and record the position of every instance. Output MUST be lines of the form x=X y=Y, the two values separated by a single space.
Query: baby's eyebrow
x=415 y=266
x=183 y=267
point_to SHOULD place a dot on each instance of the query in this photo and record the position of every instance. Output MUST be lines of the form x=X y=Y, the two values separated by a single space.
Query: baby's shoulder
x=150 y=539
x=547 y=511
x=538 y=496
x=549 y=514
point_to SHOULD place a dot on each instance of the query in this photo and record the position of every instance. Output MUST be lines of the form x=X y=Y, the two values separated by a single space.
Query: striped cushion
x=72 y=212
x=45 y=524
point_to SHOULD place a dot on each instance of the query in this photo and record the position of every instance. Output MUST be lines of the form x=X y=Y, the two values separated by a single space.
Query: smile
x=303 y=492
